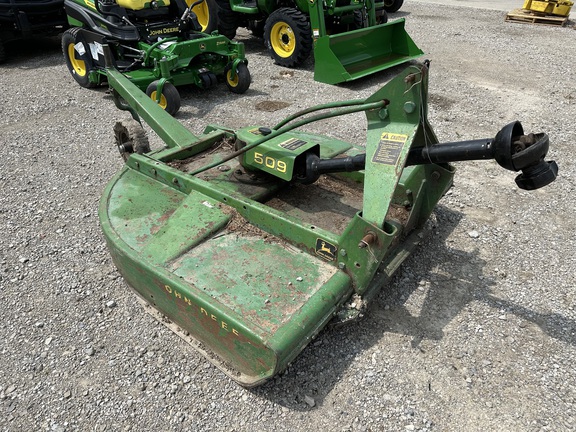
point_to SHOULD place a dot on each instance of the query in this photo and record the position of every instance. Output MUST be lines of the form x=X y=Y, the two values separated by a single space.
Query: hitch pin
x=367 y=240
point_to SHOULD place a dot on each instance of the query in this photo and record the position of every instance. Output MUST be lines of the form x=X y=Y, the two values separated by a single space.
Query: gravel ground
x=476 y=332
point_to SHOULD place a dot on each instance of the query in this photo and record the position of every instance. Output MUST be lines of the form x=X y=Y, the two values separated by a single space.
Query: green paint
x=359 y=53
x=255 y=269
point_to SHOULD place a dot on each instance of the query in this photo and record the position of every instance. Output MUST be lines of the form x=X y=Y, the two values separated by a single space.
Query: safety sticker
x=292 y=144
x=389 y=148
x=326 y=250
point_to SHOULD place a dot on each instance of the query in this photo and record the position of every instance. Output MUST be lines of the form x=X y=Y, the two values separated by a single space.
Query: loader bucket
x=358 y=53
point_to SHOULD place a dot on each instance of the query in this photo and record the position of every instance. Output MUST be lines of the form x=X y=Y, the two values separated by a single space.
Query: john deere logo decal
x=326 y=250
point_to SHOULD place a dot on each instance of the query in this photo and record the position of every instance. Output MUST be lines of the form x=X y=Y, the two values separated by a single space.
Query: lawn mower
x=350 y=38
x=248 y=242
x=24 y=19
x=158 y=45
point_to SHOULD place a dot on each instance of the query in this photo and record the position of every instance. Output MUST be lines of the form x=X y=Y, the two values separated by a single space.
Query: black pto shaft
x=511 y=148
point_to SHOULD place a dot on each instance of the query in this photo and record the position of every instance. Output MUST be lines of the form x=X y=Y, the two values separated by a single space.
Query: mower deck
x=244 y=240
x=183 y=251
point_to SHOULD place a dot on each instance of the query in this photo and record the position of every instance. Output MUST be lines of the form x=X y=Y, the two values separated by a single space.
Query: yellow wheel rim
x=202 y=13
x=232 y=81
x=163 y=103
x=78 y=65
x=282 y=39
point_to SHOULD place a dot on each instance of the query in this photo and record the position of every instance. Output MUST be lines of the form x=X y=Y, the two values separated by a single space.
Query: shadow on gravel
x=33 y=53
x=442 y=278
x=323 y=363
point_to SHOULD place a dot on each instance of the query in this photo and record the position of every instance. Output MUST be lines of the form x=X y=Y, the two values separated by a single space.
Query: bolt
x=409 y=107
x=343 y=252
x=410 y=79
x=341 y=266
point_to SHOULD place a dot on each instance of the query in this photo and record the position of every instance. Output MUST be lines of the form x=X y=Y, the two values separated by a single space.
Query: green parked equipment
x=157 y=44
x=350 y=38
x=248 y=242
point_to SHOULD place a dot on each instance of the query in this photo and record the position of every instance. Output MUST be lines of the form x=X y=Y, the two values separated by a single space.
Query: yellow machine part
x=560 y=8
x=140 y=4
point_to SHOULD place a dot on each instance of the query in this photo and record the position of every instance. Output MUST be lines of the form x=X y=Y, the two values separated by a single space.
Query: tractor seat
x=137 y=5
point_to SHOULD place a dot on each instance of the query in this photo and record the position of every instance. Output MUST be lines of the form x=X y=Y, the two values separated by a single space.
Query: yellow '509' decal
x=270 y=162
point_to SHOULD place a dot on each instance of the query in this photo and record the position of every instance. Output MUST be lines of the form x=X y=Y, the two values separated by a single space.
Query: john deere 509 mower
x=250 y=241
x=157 y=44
x=350 y=38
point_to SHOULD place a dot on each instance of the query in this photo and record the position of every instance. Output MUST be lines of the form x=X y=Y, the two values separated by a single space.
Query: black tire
x=241 y=83
x=257 y=28
x=360 y=20
x=381 y=16
x=2 y=52
x=228 y=20
x=169 y=99
x=207 y=14
x=208 y=79
x=393 y=5
x=78 y=64
x=130 y=138
x=288 y=37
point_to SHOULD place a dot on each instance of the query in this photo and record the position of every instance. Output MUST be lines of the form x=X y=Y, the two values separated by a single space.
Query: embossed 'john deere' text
x=224 y=325
x=165 y=30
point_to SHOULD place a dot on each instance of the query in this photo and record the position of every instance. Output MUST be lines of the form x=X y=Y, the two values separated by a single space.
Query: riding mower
x=158 y=45
x=24 y=19
x=350 y=38
x=248 y=242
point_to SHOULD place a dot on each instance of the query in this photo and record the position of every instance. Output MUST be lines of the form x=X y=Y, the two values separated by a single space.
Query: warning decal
x=292 y=144
x=389 y=148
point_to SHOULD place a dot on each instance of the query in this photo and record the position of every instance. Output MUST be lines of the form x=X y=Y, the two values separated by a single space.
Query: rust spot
x=186 y=165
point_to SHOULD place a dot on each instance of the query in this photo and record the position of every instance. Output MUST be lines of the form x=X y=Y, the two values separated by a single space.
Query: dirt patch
x=271 y=106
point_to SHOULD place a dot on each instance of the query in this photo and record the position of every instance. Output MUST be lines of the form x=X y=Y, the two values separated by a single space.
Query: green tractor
x=350 y=38
x=248 y=242
x=158 y=45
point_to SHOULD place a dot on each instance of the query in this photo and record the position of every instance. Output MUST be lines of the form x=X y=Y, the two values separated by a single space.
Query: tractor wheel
x=381 y=16
x=130 y=138
x=257 y=28
x=360 y=20
x=392 y=5
x=169 y=99
x=228 y=20
x=77 y=56
x=208 y=79
x=288 y=37
x=241 y=81
x=207 y=14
